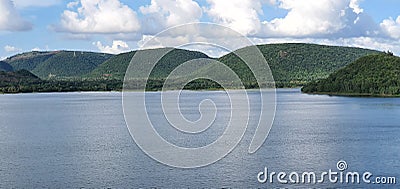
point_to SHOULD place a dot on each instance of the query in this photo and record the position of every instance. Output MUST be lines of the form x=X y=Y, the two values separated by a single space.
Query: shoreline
x=354 y=95
x=121 y=91
x=360 y=95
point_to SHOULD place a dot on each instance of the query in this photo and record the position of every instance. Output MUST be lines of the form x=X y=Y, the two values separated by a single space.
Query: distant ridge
x=59 y=64
x=292 y=64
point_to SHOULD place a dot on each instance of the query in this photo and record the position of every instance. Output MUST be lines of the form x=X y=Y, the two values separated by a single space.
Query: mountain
x=116 y=66
x=5 y=67
x=372 y=75
x=58 y=64
x=291 y=64
x=23 y=81
x=13 y=81
x=296 y=64
x=20 y=76
x=29 y=60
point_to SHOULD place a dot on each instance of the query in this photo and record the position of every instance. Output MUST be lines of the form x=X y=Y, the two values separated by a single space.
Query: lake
x=73 y=140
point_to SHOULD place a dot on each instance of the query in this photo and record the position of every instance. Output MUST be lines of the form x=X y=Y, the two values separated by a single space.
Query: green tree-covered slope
x=58 y=64
x=21 y=76
x=377 y=74
x=29 y=60
x=12 y=81
x=296 y=64
x=116 y=66
x=4 y=66
x=23 y=81
x=70 y=64
x=291 y=65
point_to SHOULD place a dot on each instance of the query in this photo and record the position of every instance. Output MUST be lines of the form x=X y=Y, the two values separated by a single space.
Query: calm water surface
x=72 y=140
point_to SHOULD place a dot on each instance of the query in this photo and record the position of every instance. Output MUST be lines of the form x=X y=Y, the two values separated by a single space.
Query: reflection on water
x=80 y=140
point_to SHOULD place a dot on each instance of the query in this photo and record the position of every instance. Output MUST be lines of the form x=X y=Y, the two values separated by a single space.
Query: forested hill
x=58 y=64
x=116 y=66
x=11 y=81
x=5 y=67
x=291 y=65
x=296 y=64
x=372 y=75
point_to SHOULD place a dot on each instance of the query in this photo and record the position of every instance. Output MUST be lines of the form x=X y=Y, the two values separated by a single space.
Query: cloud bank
x=117 y=47
x=98 y=16
x=343 y=22
x=10 y=19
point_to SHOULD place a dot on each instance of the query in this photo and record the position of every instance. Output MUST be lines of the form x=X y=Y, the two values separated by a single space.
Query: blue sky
x=115 y=26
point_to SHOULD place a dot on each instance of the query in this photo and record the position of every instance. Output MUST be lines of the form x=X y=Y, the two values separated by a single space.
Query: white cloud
x=146 y=40
x=211 y=39
x=355 y=5
x=117 y=47
x=30 y=3
x=36 y=49
x=375 y=43
x=328 y=22
x=10 y=20
x=305 y=18
x=72 y=4
x=46 y=48
x=166 y=13
x=313 y=18
x=9 y=48
x=99 y=16
x=391 y=27
x=240 y=15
